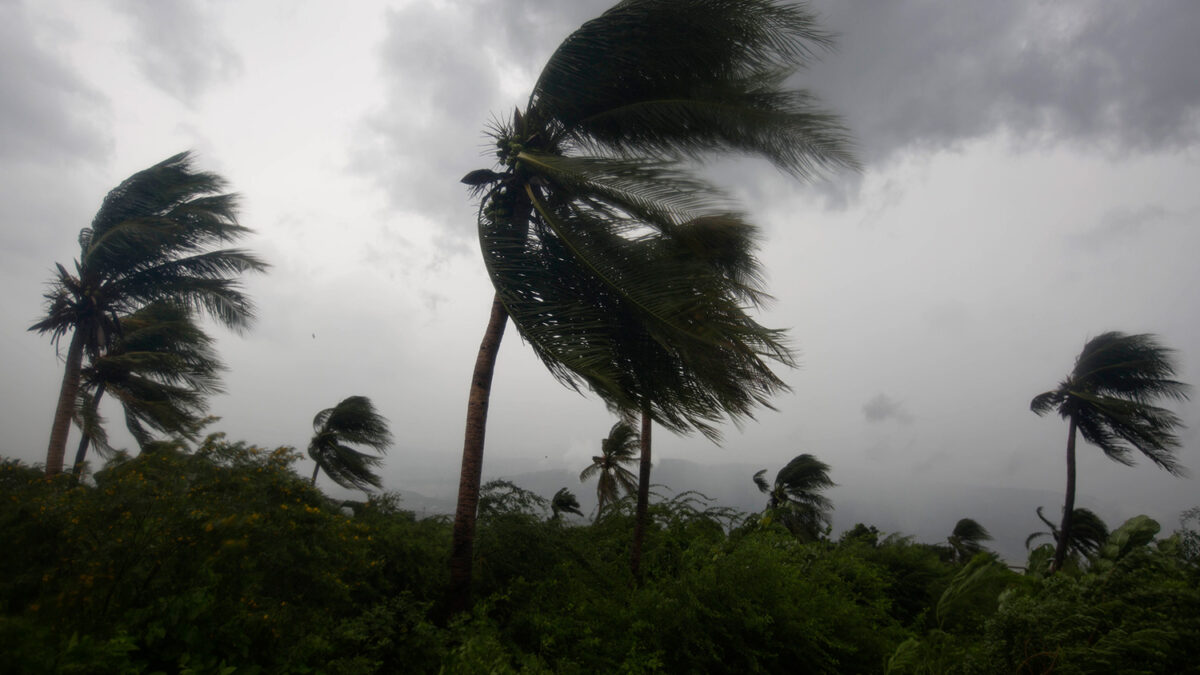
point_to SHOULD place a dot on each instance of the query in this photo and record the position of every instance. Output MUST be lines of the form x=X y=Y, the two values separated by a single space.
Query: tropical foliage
x=225 y=559
x=156 y=237
x=613 y=480
x=336 y=430
x=795 y=499
x=967 y=539
x=1109 y=398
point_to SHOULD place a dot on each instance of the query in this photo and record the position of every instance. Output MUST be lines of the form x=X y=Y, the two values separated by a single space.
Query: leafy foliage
x=618 y=449
x=351 y=422
x=795 y=500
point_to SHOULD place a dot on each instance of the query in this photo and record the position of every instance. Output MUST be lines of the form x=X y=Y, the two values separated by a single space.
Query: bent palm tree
x=794 y=497
x=1088 y=533
x=967 y=539
x=161 y=369
x=564 y=502
x=155 y=237
x=623 y=271
x=1109 y=399
x=619 y=449
x=351 y=422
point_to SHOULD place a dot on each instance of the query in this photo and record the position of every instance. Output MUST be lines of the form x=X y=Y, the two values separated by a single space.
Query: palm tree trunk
x=316 y=470
x=463 y=538
x=61 y=426
x=1064 y=531
x=84 y=440
x=643 y=499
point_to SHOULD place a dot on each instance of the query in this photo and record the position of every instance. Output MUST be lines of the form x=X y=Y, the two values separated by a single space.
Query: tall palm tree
x=1088 y=533
x=624 y=272
x=1109 y=399
x=617 y=450
x=161 y=369
x=156 y=237
x=794 y=498
x=351 y=422
x=967 y=539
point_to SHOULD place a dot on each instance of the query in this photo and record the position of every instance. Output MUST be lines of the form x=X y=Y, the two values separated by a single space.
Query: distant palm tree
x=1108 y=398
x=794 y=499
x=564 y=502
x=351 y=422
x=156 y=237
x=619 y=449
x=967 y=539
x=1088 y=533
x=161 y=369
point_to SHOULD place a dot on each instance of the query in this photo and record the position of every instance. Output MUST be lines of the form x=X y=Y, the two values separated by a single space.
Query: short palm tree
x=161 y=369
x=794 y=498
x=562 y=502
x=1109 y=399
x=624 y=272
x=1088 y=533
x=617 y=450
x=157 y=236
x=335 y=430
x=967 y=539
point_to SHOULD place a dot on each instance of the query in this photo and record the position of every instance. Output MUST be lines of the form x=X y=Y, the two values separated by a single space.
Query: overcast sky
x=1031 y=174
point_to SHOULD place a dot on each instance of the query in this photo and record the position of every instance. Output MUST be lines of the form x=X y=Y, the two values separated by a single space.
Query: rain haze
x=1030 y=181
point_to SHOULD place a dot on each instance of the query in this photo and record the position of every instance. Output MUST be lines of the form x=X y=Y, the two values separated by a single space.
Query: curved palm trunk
x=316 y=470
x=1064 y=531
x=463 y=538
x=84 y=440
x=643 y=500
x=61 y=426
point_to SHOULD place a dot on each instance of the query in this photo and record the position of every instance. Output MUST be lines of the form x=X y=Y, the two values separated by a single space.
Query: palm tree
x=794 y=497
x=155 y=237
x=1088 y=533
x=619 y=449
x=351 y=422
x=1109 y=399
x=161 y=369
x=624 y=272
x=967 y=539
x=564 y=502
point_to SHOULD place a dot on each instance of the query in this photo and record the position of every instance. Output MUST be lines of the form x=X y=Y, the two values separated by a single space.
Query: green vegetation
x=225 y=559
x=335 y=430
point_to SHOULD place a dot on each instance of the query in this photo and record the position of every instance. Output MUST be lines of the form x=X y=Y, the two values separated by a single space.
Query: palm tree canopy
x=619 y=449
x=156 y=236
x=564 y=502
x=795 y=494
x=1088 y=532
x=1110 y=394
x=623 y=271
x=161 y=369
x=969 y=530
x=351 y=422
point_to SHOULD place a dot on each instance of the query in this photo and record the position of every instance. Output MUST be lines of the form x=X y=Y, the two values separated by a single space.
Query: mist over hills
x=926 y=512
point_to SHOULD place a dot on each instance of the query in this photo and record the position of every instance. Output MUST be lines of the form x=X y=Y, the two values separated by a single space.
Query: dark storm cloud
x=926 y=76
x=45 y=110
x=882 y=408
x=177 y=47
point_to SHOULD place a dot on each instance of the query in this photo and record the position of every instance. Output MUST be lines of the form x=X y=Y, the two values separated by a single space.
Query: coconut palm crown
x=161 y=369
x=613 y=479
x=794 y=498
x=157 y=236
x=1109 y=398
x=335 y=430
x=967 y=539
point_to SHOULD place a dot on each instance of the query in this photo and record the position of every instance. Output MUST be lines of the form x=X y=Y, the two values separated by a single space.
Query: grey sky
x=1030 y=181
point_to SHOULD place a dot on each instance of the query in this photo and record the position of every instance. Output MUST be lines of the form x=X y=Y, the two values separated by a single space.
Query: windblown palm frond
x=794 y=498
x=564 y=502
x=967 y=539
x=620 y=448
x=1088 y=533
x=349 y=423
